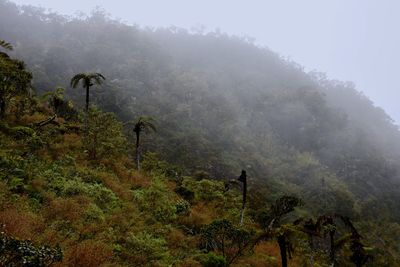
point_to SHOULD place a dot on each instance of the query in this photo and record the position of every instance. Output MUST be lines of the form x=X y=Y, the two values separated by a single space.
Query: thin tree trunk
x=2 y=108
x=137 y=151
x=282 y=248
x=311 y=242
x=87 y=99
x=87 y=110
x=243 y=202
x=243 y=179
x=332 y=245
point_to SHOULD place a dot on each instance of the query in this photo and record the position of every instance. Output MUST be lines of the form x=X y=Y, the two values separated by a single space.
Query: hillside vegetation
x=322 y=161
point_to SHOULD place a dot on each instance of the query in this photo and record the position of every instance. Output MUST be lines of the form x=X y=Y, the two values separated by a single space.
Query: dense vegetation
x=322 y=161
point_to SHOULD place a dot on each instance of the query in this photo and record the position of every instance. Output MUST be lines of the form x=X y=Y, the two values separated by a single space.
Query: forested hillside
x=314 y=147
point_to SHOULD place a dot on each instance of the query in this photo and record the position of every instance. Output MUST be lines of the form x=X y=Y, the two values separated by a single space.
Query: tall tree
x=142 y=124
x=242 y=179
x=14 y=78
x=271 y=221
x=104 y=138
x=88 y=80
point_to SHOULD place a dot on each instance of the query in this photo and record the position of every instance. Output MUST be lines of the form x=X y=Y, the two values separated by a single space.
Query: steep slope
x=223 y=104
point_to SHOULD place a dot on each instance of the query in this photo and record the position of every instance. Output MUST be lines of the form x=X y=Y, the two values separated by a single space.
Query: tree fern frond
x=100 y=75
x=144 y=123
x=76 y=79
x=6 y=45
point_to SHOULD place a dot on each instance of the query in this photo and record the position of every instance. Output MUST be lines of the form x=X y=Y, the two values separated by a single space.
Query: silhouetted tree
x=280 y=208
x=142 y=124
x=328 y=225
x=88 y=80
x=243 y=179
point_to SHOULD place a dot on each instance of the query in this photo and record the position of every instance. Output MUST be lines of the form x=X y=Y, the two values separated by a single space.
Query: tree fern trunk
x=332 y=247
x=87 y=110
x=2 y=108
x=87 y=99
x=137 y=151
x=283 y=249
x=243 y=179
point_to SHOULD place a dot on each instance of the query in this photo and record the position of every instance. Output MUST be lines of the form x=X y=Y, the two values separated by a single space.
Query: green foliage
x=102 y=196
x=289 y=129
x=22 y=131
x=104 y=136
x=14 y=253
x=212 y=260
x=222 y=236
x=204 y=190
x=156 y=200
x=94 y=214
x=182 y=207
x=59 y=104
x=284 y=205
x=185 y=193
x=154 y=165
x=144 y=248
x=14 y=80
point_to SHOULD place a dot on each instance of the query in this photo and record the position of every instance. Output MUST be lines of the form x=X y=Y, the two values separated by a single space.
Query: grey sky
x=352 y=40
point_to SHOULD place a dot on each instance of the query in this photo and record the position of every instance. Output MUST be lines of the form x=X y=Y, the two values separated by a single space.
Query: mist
x=124 y=129
x=348 y=40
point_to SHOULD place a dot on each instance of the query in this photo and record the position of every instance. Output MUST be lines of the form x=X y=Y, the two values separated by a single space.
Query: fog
x=275 y=89
x=349 y=40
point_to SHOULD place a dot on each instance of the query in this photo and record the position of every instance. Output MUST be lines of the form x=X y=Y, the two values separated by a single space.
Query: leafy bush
x=94 y=214
x=182 y=207
x=205 y=190
x=185 y=193
x=104 y=136
x=212 y=260
x=222 y=236
x=102 y=196
x=152 y=163
x=165 y=213
x=157 y=200
x=143 y=248
x=14 y=253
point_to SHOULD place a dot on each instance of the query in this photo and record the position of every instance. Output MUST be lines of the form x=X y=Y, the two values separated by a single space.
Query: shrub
x=223 y=237
x=205 y=190
x=14 y=252
x=182 y=207
x=89 y=253
x=212 y=260
x=152 y=163
x=94 y=214
x=143 y=248
x=19 y=223
x=185 y=193
x=104 y=136
x=102 y=196
x=165 y=213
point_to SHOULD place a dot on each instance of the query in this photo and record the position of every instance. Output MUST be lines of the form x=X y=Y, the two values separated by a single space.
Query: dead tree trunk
x=243 y=179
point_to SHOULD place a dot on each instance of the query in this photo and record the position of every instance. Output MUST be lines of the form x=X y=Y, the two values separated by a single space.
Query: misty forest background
x=221 y=104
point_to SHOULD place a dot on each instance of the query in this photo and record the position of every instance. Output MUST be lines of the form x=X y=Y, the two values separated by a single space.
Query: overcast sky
x=351 y=40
